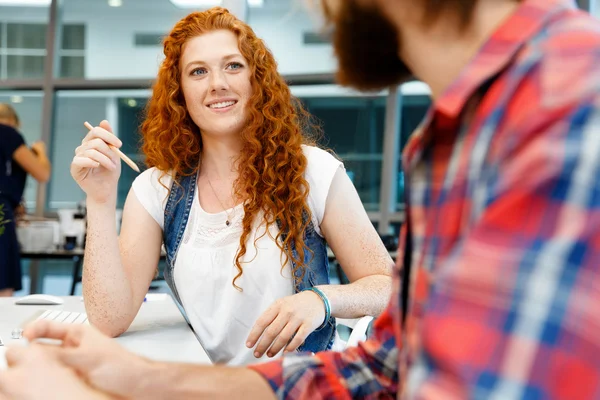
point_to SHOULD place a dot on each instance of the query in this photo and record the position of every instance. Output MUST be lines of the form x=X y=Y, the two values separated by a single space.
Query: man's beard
x=366 y=45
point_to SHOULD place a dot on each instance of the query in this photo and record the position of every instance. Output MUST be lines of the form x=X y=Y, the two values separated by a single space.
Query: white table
x=158 y=332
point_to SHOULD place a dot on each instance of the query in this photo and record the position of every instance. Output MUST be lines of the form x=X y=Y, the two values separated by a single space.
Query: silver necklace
x=228 y=220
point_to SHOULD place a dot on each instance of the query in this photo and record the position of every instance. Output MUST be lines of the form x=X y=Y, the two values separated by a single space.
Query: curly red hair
x=272 y=178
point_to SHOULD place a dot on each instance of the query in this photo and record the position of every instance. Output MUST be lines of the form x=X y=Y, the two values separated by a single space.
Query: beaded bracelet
x=325 y=303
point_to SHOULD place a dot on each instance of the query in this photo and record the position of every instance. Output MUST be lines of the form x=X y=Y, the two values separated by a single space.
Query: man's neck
x=438 y=53
x=8 y=122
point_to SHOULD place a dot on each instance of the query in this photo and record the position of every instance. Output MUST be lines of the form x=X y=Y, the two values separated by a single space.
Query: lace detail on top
x=211 y=230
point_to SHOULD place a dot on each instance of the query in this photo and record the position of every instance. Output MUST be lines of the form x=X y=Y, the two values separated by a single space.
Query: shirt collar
x=497 y=52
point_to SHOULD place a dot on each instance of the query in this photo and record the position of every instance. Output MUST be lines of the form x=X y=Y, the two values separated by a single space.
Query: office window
x=72 y=109
x=122 y=109
x=131 y=112
x=72 y=53
x=23 y=50
x=414 y=108
x=24 y=67
x=72 y=66
x=73 y=37
x=25 y=36
x=110 y=44
x=353 y=128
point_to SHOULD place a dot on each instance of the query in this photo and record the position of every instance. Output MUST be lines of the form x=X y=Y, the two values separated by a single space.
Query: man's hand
x=99 y=359
x=35 y=372
x=287 y=323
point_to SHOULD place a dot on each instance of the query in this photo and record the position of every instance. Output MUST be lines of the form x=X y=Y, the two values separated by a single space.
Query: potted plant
x=3 y=221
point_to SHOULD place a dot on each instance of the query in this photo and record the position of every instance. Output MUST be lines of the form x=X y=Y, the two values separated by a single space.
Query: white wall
x=284 y=37
x=110 y=50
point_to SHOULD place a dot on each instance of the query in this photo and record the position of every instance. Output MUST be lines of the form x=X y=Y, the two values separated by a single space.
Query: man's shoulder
x=9 y=131
x=10 y=137
x=563 y=59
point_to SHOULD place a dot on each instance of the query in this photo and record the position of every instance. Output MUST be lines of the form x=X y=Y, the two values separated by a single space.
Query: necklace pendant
x=227 y=222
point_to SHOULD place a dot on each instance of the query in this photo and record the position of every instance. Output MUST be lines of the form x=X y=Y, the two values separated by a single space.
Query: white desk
x=158 y=332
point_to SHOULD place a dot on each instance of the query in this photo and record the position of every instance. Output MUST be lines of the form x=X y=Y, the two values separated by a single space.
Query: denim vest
x=177 y=211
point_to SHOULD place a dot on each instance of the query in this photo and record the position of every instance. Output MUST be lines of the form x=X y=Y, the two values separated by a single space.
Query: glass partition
x=28 y=105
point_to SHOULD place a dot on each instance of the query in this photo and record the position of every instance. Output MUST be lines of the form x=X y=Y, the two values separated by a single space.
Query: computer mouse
x=40 y=299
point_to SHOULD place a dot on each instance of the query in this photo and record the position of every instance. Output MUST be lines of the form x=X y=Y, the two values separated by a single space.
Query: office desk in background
x=75 y=256
x=158 y=332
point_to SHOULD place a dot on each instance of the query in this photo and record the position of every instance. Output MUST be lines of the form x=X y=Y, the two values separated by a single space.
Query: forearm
x=44 y=161
x=366 y=296
x=186 y=381
x=106 y=287
x=367 y=371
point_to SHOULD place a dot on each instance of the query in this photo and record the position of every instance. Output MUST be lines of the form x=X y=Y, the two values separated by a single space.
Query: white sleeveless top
x=222 y=316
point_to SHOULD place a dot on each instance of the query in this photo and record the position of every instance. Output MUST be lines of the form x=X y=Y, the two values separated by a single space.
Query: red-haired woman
x=244 y=203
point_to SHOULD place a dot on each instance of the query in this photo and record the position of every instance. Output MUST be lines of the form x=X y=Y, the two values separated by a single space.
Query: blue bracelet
x=325 y=303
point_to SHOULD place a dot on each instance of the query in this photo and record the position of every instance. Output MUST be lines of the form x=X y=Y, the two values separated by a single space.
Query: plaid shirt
x=505 y=205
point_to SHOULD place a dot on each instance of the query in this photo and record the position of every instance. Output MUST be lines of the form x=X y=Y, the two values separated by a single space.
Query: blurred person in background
x=16 y=161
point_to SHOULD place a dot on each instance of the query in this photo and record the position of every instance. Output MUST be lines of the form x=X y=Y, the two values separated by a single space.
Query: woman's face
x=215 y=80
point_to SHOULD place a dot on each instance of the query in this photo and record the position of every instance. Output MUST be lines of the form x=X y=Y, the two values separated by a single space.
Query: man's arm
x=368 y=371
x=34 y=161
x=182 y=381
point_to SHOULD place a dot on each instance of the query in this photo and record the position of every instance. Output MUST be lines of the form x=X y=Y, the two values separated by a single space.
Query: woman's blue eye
x=198 y=71
x=235 y=65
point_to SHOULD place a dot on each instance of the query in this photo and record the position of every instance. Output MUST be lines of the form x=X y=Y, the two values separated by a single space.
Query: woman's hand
x=286 y=323
x=96 y=167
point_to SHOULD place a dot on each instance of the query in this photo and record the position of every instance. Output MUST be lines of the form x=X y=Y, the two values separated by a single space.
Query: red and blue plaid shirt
x=505 y=207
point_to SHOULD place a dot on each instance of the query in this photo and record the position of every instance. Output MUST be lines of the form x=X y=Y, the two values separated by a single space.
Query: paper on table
x=155 y=296
x=152 y=296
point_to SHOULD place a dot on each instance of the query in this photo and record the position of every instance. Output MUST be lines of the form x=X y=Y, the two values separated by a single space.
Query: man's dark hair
x=434 y=9
x=462 y=9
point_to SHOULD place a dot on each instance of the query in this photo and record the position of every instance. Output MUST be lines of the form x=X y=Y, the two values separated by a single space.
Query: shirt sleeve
x=152 y=194
x=320 y=171
x=11 y=139
x=368 y=371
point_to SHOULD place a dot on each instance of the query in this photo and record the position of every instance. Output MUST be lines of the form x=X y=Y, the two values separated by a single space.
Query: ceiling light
x=210 y=3
x=16 y=99
x=131 y=103
x=25 y=3
x=115 y=3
